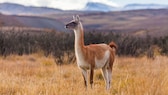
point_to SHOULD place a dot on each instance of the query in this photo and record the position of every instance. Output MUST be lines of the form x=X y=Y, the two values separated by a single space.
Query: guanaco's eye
x=74 y=23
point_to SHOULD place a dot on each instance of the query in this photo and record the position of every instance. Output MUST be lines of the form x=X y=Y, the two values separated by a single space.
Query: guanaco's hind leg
x=109 y=70
x=105 y=75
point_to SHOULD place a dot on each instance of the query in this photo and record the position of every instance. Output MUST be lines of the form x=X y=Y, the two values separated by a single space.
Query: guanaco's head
x=74 y=23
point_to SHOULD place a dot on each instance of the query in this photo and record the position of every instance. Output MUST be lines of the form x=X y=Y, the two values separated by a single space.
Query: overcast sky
x=78 y=4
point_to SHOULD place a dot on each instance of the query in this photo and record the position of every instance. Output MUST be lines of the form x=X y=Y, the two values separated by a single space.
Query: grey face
x=72 y=25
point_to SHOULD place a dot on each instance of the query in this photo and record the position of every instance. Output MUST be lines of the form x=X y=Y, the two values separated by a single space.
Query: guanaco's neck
x=79 y=39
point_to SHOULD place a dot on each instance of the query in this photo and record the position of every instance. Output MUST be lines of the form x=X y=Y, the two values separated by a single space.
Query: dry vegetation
x=38 y=75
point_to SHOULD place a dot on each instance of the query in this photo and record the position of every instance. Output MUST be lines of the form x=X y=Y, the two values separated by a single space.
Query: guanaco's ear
x=77 y=18
x=74 y=18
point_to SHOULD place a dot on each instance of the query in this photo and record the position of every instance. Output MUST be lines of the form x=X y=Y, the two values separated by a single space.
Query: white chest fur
x=80 y=60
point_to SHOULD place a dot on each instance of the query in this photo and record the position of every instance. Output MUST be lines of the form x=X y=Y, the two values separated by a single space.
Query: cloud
x=108 y=2
x=78 y=4
x=24 y=2
x=69 y=4
x=61 y=4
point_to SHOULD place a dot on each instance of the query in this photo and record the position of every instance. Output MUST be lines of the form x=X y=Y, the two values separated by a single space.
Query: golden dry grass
x=37 y=75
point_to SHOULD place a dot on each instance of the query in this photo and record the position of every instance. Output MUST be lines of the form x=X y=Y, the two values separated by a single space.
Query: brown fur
x=93 y=51
x=112 y=44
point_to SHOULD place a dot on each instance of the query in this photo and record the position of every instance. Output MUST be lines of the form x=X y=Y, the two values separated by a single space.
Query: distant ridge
x=94 y=6
x=15 y=9
x=31 y=22
x=133 y=21
x=18 y=9
x=144 y=6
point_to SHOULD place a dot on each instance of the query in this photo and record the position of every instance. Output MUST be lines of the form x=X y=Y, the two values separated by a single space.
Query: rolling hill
x=18 y=9
x=137 y=22
x=30 y=21
x=144 y=6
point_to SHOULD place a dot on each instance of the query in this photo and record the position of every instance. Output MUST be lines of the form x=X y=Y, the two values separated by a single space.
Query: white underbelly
x=100 y=63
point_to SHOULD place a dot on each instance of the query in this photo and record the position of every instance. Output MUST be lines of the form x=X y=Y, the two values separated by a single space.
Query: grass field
x=38 y=75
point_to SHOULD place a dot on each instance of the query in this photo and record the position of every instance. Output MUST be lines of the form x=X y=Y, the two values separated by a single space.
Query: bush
x=59 y=43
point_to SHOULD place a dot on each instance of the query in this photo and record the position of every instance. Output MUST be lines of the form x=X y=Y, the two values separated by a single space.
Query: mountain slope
x=15 y=9
x=31 y=21
x=144 y=6
x=138 y=22
x=94 y=6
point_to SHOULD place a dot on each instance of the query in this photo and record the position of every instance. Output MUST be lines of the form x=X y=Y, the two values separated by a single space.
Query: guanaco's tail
x=113 y=45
